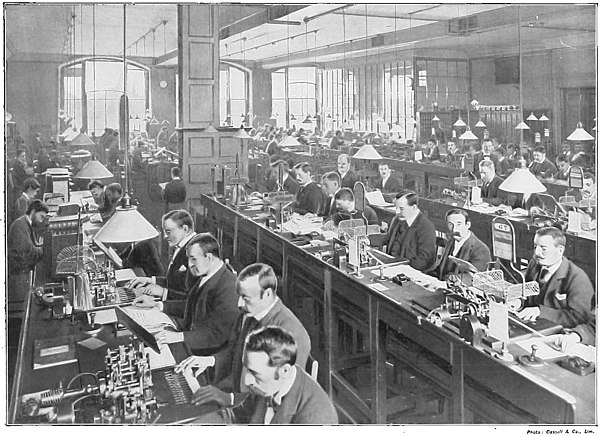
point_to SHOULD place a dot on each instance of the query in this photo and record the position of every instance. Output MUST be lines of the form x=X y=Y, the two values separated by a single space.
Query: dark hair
x=562 y=158
x=180 y=217
x=95 y=184
x=286 y=166
x=501 y=150
x=304 y=166
x=116 y=188
x=457 y=211
x=345 y=194
x=36 y=206
x=557 y=235
x=276 y=342
x=384 y=163
x=333 y=177
x=589 y=175
x=30 y=184
x=540 y=149
x=411 y=197
x=175 y=172
x=266 y=276
x=207 y=243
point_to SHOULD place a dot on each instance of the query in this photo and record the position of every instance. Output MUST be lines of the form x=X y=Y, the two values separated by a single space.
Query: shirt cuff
x=165 y=293
x=154 y=279
x=160 y=305
x=231 y=399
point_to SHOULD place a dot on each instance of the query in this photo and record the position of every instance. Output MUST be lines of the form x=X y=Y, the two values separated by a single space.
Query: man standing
x=174 y=191
x=178 y=228
x=387 y=183
x=411 y=235
x=490 y=190
x=207 y=315
x=346 y=210
x=309 y=196
x=565 y=290
x=260 y=306
x=462 y=244
x=347 y=176
x=281 y=392
x=541 y=167
x=25 y=247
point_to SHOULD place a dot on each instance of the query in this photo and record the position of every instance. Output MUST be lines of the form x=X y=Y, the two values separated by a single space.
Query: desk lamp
x=93 y=170
x=82 y=140
x=368 y=153
x=522 y=181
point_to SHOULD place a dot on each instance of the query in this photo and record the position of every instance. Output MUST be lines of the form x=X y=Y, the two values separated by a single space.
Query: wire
x=79 y=376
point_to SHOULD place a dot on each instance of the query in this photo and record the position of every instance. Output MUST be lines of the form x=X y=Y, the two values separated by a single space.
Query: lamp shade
x=241 y=134
x=93 y=170
x=468 y=135
x=82 y=140
x=522 y=126
x=293 y=118
x=522 y=181
x=127 y=225
x=307 y=119
x=580 y=134
x=367 y=152
x=459 y=123
x=532 y=117
x=543 y=118
x=210 y=129
x=289 y=141
x=481 y=124
x=435 y=118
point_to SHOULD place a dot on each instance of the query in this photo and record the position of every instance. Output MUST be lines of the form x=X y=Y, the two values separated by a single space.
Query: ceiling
x=278 y=35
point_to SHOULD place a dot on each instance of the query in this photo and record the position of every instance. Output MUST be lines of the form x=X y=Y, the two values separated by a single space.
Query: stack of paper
x=152 y=319
x=375 y=198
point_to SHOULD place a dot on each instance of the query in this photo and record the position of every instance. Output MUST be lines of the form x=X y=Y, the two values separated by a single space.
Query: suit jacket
x=479 y=156
x=309 y=199
x=305 y=403
x=174 y=191
x=543 y=169
x=145 y=255
x=587 y=331
x=19 y=174
x=291 y=185
x=228 y=361
x=567 y=296
x=329 y=208
x=473 y=251
x=21 y=205
x=491 y=192
x=24 y=251
x=208 y=314
x=178 y=279
x=368 y=213
x=418 y=244
x=392 y=185
x=349 y=179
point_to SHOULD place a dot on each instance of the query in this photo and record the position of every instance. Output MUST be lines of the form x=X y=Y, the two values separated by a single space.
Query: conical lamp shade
x=307 y=119
x=210 y=129
x=242 y=134
x=367 y=152
x=82 y=140
x=532 y=117
x=580 y=134
x=522 y=181
x=94 y=170
x=435 y=118
x=289 y=141
x=329 y=116
x=468 y=135
x=154 y=121
x=522 y=126
x=544 y=118
x=293 y=118
x=127 y=225
x=480 y=123
x=459 y=123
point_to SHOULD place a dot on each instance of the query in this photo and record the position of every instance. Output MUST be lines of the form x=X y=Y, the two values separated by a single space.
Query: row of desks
x=361 y=336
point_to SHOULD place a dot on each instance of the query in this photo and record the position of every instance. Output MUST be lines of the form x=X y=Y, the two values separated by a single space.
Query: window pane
x=237 y=83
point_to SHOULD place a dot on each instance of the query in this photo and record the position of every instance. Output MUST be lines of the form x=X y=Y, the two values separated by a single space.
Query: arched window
x=234 y=95
x=91 y=89
x=294 y=102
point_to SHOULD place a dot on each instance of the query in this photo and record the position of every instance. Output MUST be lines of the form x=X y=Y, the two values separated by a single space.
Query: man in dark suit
x=178 y=228
x=462 y=244
x=347 y=175
x=563 y=167
x=281 y=170
x=259 y=305
x=281 y=392
x=411 y=235
x=331 y=185
x=346 y=210
x=207 y=315
x=541 y=167
x=19 y=171
x=25 y=247
x=490 y=190
x=143 y=254
x=387 y=183
x=480 y=152
x=174 y=191
x=566 y=292
x=309 y=197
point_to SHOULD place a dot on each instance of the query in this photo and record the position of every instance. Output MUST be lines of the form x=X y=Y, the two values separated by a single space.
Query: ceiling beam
x=269 y=14
x=399 y=16
x=166 y=57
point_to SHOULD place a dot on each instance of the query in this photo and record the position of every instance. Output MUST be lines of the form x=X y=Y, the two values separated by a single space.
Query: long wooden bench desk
x=379 y=361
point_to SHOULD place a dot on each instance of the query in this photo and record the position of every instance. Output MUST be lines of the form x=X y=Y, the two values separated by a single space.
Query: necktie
x=544 y=275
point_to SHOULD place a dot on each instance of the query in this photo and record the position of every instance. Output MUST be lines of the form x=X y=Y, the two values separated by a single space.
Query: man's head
x=96 y=187
x=384 y=170
x=487 y=146
x=565 y=147
x=344 y=200
x=588 y=181
x=114 y=192
x=548 y=246
x=175 y=172
x=331 y=182
x=177 y=225
x=458 y=223
x=343 y=163
x=562 y=163
x=539 y=154
x=511 y=148
x=256 y=287
x=37 y=212
x=303 y=172
x=338 y=133
x=31 y=187
x=269 y=356
x=431 y=142
x=487 y=170
x=407 y=205
x=203 y=253
x=21 y=155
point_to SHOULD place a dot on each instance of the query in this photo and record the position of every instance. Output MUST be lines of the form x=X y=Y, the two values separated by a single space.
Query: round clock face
x=163 y=83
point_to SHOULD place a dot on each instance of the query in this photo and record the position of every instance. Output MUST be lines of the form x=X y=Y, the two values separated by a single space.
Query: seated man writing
x=346 y=210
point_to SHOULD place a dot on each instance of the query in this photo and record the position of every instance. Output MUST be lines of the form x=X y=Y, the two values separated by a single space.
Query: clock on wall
x=163 y=84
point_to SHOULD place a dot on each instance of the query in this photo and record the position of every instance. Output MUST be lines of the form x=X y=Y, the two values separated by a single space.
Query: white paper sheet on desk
x=124 y=275
x=303 y=226
x=152 y=319
x=162 y=360
x=376 y=198
x=416 y=276
x=545 y=352
x=106 y=317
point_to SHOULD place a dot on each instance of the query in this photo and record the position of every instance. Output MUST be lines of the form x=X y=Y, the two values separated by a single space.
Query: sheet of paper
x=162 y=360
x=378 y=287
x=416 y=276
x=376 y=198
x=92 y=343
x=106 y=317
x=546 y=350
x=152 y=319
x=499 y=321
x=124 y=275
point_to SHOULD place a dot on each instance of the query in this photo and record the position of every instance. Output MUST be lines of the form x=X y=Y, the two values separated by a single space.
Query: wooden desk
x=371 y=345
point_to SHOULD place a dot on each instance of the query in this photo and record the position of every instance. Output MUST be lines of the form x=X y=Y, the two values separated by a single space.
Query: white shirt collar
x=210 y=275
x=412 y=220
x=287 y=386
x=385 y=179
x=261 y=315
x=185 y=240
x=285 y=176
x=176 y=179
x=553 y=268
x=28 y=220
x=343 y=174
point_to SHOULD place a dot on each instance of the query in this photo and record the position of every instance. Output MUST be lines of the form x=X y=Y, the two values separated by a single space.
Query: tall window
x=93 y=87
x=233 y=95
x=442 y=81
x=294 y=97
